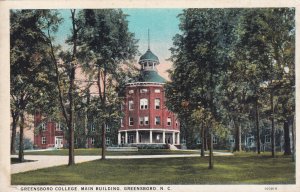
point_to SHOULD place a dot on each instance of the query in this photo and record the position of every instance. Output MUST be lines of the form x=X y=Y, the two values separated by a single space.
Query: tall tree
x=28 y=66
x=108 y=44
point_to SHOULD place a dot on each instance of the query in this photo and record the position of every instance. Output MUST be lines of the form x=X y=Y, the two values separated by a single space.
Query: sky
x=162 y=24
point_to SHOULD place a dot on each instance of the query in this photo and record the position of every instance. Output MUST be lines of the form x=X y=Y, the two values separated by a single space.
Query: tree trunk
x=15 y=118
x=21 y=144
x=71 y=119
x=205 y=140
x=238 y=145
x=103 y=142
x=202 y=141
x=211 y=163
x=294 y=139
x=287 y=144
x=257 y=127
x=273 y=127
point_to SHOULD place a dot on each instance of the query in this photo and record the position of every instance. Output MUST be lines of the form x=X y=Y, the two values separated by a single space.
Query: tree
x=105 y=43
x=29 y=70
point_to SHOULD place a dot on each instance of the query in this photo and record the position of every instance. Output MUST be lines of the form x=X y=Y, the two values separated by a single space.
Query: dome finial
x=148 y=39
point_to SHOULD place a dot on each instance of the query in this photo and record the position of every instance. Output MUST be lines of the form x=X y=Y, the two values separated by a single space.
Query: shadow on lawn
x=16 y=161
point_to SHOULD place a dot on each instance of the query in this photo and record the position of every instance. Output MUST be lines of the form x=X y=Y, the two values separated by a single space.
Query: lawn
x=244 y=168
x=97 y=151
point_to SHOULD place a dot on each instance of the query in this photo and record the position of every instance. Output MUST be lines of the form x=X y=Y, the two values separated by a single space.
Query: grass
x=242 y=168
x=97 y=151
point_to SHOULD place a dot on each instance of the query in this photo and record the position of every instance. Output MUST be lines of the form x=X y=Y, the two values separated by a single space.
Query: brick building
x=147 y=120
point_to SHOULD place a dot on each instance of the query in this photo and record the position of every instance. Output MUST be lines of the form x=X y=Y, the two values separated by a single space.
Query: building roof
x=149 y=56
x=151 y=76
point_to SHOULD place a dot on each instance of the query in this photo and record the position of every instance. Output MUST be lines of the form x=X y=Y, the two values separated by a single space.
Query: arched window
x=144 y=103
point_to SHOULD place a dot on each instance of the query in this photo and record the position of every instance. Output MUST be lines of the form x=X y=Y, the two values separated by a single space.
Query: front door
x=58 y=142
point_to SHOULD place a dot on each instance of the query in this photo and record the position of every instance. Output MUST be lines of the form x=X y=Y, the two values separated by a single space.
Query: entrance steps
x=173 y=147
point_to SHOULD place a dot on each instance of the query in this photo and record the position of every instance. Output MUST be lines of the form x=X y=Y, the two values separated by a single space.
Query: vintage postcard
x=184 y=95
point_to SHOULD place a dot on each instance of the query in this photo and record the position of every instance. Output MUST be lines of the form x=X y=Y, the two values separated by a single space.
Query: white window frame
x=157 y=91
x=43 y=126
x=130 y=105
x=131 y=121
x=169 y=121
x=121 y=122
x=107 y=128
x=146 y=120
x=144 y=90
x=44 y=141
x=215 y=140
x=58 y=126
x=141 y=120
x=269 y=136
x=93 y=141
x=93 y=129
x=131 y=91
x=143 y=103
x=198 y=141
x=157 y=120
x=107 y=140
x=157 y=103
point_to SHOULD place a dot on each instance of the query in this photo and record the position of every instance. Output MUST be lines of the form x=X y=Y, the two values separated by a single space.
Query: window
x=93 y=141
x=198 y=141
x=122 y=107
x=141 y=121
x=231 y=140
x=215 y=140
x=267 y=139
x=93 y=129
x=157 y=91
x=43 y=127
x=146 y=120
x=131 y=91
x=143 y=90
x=157 y=103
x=43 y=140
x=107 y=141
x=176 y=124
x=130 y=121
x=58 y=126
x=143 y=103
x=157 y=120
x=75 y=141
x=130 y=105
x=121 y=122
x=169 y=121
x=107 y=128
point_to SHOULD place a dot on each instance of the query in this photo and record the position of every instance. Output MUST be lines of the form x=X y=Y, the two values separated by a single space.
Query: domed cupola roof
x=149 y=56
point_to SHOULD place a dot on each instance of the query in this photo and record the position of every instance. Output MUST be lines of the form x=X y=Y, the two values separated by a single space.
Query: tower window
x=141 y=121
x=130 y=105
x=143 y=90
x=131 y=91
x=58 y=126
x=130 y=121
x=157 y=91
x=146 y=120
x=157 y=120
x=121 y=122
x=143 y=103
x=157 y=103
x=169 y=121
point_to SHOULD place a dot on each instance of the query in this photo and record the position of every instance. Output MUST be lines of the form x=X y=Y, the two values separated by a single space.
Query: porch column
x=164 y=137
x=137 y=136
x=126 y=137
x=150 y=136
x=119 y=138
x=178 y=138
x=173 y=138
